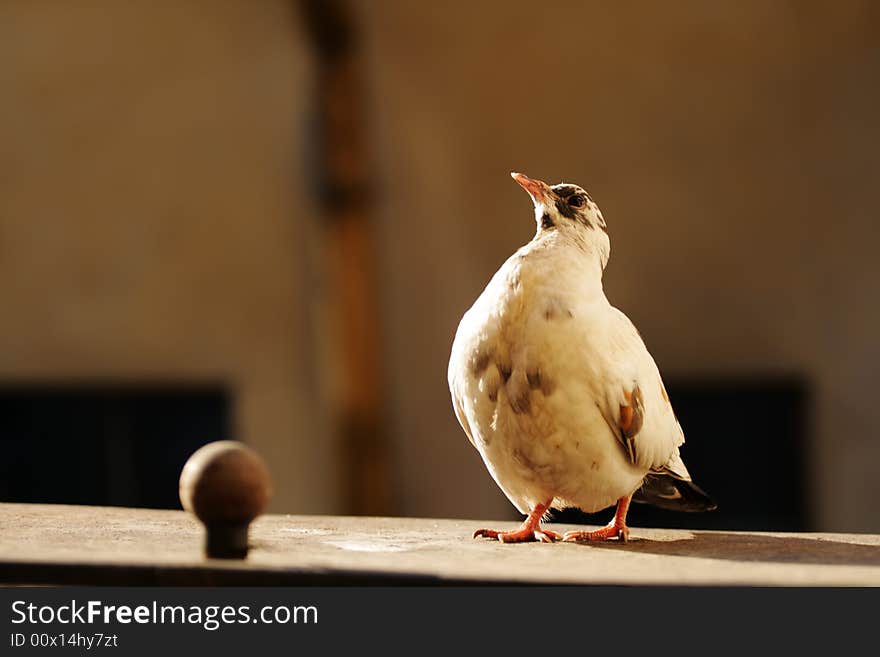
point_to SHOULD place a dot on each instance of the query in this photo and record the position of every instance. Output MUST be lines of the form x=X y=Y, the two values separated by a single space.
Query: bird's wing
x=633 y=399
x=638 y=410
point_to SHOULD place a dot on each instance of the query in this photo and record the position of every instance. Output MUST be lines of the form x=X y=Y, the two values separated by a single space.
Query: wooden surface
x=105 y=545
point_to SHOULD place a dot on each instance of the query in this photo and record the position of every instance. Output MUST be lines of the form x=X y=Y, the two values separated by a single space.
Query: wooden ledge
x=60 y=544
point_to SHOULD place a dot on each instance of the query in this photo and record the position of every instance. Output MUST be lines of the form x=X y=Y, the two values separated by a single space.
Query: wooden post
x=340 y=169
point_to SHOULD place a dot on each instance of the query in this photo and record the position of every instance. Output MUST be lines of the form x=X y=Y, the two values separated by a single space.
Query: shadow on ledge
x=752 y=547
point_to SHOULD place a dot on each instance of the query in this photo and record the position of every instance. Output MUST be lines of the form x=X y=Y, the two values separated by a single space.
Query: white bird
x=555 y=388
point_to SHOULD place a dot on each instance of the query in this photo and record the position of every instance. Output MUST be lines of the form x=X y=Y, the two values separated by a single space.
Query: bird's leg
x=615 y=529
x=530 y=530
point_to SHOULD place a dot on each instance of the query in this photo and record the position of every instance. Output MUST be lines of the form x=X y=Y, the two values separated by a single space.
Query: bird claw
x=547 y=536
x=620 y=532
x=487 y=533
x=521 y=535
x=529 y=531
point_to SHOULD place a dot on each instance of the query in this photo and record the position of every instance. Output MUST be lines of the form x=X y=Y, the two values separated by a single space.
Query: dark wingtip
x=668 y=492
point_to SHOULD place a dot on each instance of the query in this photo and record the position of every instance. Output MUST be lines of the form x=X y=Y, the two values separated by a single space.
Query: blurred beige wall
x=733 y=149
x=152 y=213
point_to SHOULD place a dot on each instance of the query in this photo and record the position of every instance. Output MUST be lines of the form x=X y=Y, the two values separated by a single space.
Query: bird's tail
x=670 y=492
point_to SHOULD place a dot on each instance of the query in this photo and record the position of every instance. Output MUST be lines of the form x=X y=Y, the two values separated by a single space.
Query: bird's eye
x=577 y=201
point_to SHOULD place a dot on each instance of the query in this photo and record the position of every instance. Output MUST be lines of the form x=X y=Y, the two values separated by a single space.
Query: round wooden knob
x=226 y=485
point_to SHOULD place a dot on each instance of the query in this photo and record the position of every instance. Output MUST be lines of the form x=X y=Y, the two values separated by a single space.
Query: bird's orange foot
x=521 y=535
x=613 y=530
x=530 y=530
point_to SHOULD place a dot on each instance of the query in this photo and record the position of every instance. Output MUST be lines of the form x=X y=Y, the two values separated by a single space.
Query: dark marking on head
x=576 y=204
x=564 y=191
x=547 y=221
x=493 y=394
x=504 y=370
x=575 y=214
x=577 y=200
x=565 y=209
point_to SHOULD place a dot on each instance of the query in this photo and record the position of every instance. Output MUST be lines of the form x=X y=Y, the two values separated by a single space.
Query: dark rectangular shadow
x=104 y=444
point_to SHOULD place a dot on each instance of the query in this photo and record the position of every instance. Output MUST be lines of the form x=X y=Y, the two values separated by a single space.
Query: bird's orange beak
x=537 y=189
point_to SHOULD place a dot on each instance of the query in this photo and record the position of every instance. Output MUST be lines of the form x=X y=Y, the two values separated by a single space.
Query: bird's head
x=568 y=208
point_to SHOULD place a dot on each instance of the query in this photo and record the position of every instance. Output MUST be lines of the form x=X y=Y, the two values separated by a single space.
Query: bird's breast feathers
x=541 y=372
